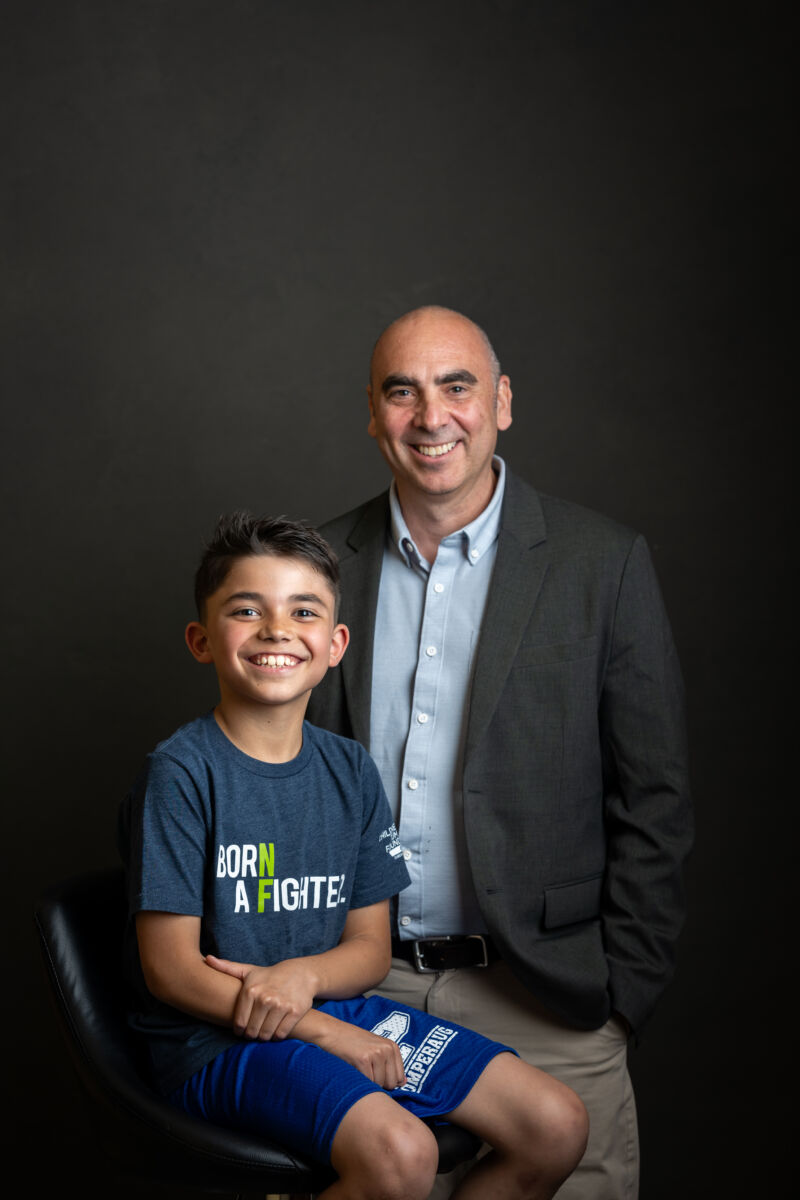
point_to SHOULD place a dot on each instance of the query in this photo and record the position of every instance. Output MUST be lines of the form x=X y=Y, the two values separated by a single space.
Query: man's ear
x=503 y=407
x=339 y=641
x=197 y=641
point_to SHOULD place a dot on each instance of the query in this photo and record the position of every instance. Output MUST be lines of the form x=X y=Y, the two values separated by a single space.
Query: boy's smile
x=274 y=660
x=269 y=631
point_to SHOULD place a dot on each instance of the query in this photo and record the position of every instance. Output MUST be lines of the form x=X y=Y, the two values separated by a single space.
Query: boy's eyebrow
x=244 y=596
x=296 y=598
x=307 y=598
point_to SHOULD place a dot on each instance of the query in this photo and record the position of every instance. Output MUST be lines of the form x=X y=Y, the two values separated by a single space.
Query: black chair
x=80 y=924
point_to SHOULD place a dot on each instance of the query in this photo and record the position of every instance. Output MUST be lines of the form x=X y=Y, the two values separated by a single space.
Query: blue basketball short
x=297 y=1094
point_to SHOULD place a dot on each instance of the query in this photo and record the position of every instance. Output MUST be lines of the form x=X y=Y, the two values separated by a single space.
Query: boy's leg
x=304 y=1098
x=537 y=1128
x=593 y=1063
x=380 y=1150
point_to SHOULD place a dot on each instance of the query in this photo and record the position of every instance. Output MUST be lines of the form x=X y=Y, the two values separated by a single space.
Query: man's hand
x=271 y=999
x=376 y=1057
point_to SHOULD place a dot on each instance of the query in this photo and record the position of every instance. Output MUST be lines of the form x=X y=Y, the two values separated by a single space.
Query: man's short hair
x=241 y=535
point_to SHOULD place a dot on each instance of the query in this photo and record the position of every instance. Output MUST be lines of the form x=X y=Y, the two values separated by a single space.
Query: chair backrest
x=81 y=924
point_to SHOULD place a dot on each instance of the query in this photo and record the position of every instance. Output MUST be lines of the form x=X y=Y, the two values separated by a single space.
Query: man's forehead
x=433 y=345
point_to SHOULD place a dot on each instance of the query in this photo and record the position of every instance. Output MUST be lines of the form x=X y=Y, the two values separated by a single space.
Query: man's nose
x=430 y=412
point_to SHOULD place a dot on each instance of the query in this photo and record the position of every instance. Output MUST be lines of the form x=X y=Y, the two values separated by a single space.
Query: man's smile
x=435 y=451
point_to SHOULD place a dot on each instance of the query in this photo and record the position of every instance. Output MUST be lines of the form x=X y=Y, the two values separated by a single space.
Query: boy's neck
x=269 y=734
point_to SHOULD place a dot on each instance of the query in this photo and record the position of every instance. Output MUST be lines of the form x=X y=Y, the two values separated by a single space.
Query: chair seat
x=80 y=924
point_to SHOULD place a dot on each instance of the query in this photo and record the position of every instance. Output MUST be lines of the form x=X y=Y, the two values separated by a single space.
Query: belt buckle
x=419 y=952
x=479 y=937
x=419 y=964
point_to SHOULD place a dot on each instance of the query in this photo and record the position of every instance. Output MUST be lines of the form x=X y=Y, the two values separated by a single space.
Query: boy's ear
x=197 y=641
x=339 y=640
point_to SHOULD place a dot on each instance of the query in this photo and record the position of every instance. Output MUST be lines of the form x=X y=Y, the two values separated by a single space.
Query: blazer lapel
x=361 y=576
x=520 y=568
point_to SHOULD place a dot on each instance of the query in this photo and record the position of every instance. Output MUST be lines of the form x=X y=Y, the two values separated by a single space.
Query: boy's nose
x=273 y=631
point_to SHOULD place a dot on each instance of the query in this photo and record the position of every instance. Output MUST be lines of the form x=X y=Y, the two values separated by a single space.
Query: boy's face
x=269 y=631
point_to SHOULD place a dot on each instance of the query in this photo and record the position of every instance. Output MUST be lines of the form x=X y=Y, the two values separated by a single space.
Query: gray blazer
x=576 y=800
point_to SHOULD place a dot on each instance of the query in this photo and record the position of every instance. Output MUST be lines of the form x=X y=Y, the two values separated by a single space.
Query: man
x=513 y=674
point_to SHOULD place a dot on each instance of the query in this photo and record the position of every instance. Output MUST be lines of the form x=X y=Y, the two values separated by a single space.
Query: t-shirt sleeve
x=381 y=871
x=169 y=820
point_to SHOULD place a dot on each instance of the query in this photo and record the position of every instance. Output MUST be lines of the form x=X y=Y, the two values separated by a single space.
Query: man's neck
x=269 y=733
x=431 y=518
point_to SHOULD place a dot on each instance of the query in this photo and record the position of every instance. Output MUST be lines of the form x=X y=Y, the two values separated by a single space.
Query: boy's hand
x=271 y=999
x=376 y=1057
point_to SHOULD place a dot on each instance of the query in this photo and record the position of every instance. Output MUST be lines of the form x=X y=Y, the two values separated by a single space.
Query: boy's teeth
x=274 y=660
x=435 y=451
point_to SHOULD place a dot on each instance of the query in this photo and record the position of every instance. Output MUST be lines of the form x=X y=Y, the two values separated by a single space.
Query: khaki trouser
x=593 y=1063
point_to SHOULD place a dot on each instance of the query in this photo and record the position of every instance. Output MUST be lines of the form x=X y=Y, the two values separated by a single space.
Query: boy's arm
x=273 y=999
x=274 y=1002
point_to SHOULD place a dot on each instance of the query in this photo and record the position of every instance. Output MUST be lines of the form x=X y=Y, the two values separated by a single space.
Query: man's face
x=269 y=631
x=434 y=409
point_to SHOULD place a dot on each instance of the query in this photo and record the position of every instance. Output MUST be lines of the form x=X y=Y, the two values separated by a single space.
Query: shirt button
x=405 y=920
x=430 y=651
x=422 y=718
x=438 y=587
x=406 y=855
x=474 y=554
x=413 y=784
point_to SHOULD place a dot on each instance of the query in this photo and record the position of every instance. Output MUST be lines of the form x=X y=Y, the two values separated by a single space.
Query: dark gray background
x=210 y=211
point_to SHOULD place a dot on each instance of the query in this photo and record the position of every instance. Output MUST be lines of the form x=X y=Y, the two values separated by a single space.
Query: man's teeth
x=274 y=660
x=435 y=451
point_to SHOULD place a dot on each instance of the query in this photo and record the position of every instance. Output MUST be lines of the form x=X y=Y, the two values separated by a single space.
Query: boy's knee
x=572 y=1128
x=562 y=1131
x=412 y=1159
x=396 y=1160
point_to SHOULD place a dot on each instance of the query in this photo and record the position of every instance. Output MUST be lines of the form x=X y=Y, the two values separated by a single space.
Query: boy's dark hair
x=239 y=535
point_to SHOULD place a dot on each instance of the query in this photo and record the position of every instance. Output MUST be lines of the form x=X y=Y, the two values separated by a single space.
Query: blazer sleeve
x=648 y=816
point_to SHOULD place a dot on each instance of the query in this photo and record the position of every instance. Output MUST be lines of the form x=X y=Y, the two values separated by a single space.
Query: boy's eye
x=304 y=612
x=245 y=612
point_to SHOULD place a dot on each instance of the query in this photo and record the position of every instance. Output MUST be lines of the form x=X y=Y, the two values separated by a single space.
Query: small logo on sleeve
x=392 y=839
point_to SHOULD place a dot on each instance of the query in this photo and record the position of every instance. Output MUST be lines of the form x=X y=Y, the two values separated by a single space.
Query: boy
x=262 y=856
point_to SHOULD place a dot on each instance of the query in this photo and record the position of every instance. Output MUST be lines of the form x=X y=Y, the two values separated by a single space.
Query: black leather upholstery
x=80 y=924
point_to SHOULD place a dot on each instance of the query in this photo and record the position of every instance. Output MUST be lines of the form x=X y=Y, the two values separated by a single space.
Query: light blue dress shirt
x=426 y=634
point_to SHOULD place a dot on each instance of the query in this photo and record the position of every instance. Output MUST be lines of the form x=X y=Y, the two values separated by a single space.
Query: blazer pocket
x=567 y=903
x=530 y=655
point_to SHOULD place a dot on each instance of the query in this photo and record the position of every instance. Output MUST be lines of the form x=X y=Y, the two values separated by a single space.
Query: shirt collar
x=476 y=538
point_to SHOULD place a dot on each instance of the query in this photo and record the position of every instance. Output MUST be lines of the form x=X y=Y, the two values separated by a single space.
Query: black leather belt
x=445 y=953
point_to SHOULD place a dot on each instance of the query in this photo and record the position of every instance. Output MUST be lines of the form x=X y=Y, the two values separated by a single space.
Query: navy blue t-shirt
x=271 y=856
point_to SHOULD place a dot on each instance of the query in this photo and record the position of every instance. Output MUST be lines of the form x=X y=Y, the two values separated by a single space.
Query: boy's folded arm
x=259 y=1002
x=378 y=1058
x=361 y=959
x=175 y=971
x=273 y=999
